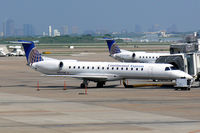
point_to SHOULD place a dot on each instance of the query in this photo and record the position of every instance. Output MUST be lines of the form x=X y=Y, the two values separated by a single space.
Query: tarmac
x=113 y=109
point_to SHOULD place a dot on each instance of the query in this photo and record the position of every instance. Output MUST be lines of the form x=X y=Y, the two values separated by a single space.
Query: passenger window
x=149 y=56
x=112 y=68
x=69 y=67
x=141 y=69
x=132 y=69
x=143 y=56
x=122 y=68
x=88 y=67
x=136 y=69
x=98 y=67
x=167 y=69
x=83 y=67
x=102 y=68
x=146 y=57
x=127 y=68
x=107 y=68
x=153 y=57
x=117 y=68
x=140 y=56
x=78 y=67
x=92 y=67
x=74 y=67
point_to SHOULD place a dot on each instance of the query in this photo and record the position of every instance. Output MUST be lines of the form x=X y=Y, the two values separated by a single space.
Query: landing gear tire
x=84 y=84
x=100 y=84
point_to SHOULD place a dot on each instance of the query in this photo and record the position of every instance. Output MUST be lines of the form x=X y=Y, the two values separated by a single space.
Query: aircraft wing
x=91 y=77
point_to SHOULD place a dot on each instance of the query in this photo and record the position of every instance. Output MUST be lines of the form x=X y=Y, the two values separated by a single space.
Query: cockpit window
x=170 y=68
x=173 y=68
x=167 y=69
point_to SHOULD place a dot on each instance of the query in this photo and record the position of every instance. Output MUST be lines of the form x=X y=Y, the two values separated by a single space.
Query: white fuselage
x=143 y=57
x=108 y=71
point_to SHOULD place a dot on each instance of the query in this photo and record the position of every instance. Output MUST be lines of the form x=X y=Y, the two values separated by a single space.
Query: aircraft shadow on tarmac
x=53 y=87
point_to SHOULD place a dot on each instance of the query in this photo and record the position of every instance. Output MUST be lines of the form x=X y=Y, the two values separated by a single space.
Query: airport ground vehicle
x=16 y=52
x=183 y=84
x=2 y=53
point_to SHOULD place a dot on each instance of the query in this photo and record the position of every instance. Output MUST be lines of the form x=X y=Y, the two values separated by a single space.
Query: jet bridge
x=184 y=56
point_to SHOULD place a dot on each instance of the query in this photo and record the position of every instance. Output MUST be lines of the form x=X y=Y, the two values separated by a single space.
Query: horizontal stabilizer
x=105 y=39
x=23 y=41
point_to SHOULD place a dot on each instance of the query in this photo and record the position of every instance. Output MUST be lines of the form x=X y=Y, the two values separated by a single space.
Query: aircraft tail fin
x=32 y=54
x=112 y=46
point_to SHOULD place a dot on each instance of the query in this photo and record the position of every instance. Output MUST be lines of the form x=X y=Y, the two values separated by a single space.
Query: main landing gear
x=85 y=84
x=100 y=84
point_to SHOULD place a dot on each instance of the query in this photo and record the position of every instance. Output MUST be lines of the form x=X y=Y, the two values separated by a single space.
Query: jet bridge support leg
x=126 y=85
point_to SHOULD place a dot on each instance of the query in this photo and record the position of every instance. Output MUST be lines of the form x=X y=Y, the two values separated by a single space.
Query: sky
x=111 y=15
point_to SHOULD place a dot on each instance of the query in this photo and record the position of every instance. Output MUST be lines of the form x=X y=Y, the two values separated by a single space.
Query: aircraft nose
x=181 y=74
x=189 y=76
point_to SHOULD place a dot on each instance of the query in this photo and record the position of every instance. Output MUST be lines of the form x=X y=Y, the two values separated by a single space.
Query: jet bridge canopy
x=183 y=48
x=176 y=60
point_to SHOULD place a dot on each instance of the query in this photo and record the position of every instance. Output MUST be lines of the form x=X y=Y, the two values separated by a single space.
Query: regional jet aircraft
x=99 y=72
x=128 y=56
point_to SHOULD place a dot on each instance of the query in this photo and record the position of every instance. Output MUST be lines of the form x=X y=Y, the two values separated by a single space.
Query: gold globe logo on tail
x=34 y=56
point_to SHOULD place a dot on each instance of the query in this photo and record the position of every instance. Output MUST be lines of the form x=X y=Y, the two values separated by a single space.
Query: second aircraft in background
x=129 y=56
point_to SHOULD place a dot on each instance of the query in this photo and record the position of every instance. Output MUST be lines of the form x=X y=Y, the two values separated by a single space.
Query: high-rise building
x=44 y=34
x=56 y=32
x=4 y=29
x=64 y=30
x=50 y=30
x=19 y=32
x=138 y=28
x=1 y=34
x=155 y=28
x=172 y=28
x=75 y=30
x=10 y=28
x=28 y=30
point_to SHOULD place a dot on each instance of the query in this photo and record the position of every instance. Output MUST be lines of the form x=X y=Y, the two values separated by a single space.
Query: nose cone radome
x=181 y=74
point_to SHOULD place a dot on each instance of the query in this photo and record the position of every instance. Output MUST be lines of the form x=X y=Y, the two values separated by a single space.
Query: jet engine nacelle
x=48 y=66
x=125 y=56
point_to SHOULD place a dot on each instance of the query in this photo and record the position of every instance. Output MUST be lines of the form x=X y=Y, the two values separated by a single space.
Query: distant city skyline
x=92 y=15
x=9 y=29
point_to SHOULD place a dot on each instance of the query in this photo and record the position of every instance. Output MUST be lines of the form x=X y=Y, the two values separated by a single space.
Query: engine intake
x=133 y=55
x=61 y=65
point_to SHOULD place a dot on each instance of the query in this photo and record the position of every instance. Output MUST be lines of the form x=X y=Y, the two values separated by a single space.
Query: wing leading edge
x=91 y=77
